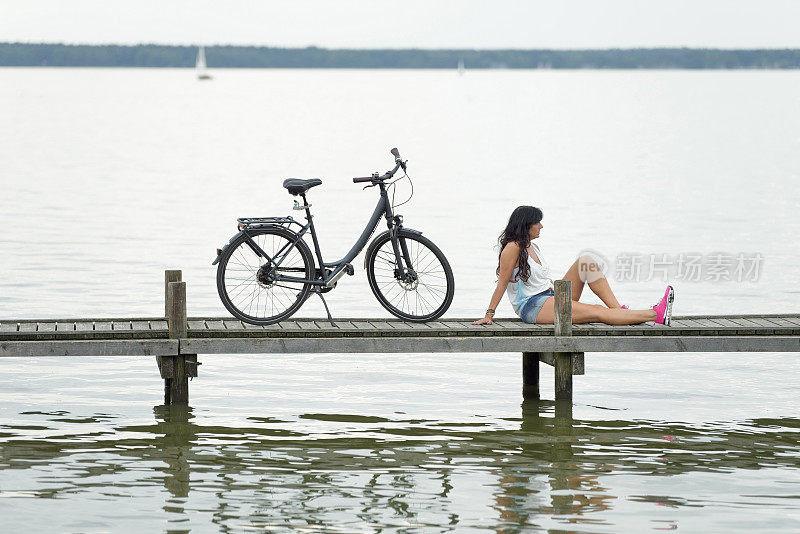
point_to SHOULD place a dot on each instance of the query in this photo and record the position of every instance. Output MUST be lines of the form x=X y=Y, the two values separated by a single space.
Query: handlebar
x=375 y=178
x=397 y=158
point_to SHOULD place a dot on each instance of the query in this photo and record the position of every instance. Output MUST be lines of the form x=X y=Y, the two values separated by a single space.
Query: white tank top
x=519 y=291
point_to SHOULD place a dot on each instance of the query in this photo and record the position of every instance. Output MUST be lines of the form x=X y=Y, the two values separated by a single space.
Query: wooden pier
x=176 y=340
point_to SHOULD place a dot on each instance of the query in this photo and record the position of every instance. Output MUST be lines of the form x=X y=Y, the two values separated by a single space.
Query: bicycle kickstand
x=318 y=292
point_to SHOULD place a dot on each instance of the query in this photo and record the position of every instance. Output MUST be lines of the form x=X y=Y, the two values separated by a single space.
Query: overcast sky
x=409 y=23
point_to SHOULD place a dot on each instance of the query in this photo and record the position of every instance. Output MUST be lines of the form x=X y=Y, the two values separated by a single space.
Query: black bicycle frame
x=384 y=207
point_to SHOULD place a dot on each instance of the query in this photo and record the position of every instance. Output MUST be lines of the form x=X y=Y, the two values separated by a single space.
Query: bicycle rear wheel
x=247 y=283
x=429 y=291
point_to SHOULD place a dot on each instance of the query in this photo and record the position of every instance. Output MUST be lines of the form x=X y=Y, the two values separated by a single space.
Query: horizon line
x=317 y=47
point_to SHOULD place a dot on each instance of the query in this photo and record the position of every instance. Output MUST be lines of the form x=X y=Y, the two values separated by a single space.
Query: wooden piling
x=170 y=276
x=176 y=369
x=562 y=319
x=530 y=375
x=176 y=309
x=562 y=314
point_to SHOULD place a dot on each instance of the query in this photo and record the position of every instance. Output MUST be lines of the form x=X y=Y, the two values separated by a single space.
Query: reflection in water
x=543 y=469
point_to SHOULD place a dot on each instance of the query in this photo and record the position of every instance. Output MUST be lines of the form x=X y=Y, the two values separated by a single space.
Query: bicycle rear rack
x=260 y=222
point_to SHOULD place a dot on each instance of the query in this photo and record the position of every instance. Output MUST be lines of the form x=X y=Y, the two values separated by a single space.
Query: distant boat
x=200 y=65
x=461 y=68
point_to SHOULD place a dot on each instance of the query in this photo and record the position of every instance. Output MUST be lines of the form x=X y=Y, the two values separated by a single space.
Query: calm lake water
x=110 y=176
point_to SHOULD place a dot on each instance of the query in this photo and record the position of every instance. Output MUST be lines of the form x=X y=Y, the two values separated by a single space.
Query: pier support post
x=176 y=369
x=170 y=276
x=530 y=375
x=563 y=327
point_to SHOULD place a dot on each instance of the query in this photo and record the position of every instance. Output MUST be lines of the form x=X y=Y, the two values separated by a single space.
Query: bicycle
x=266 y=272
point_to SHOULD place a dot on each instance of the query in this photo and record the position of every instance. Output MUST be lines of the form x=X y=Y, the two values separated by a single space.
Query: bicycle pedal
x=349 y=270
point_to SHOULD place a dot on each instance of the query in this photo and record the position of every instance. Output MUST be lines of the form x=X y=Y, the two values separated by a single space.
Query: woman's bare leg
x=594 y=313
x=601 y=288
x=573 y=274
x=585 y=269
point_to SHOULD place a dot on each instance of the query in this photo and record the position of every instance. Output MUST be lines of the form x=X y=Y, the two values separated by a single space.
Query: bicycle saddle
x=298 y=186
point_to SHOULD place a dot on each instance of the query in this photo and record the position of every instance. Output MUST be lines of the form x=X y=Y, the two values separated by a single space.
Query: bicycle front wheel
x=247 y=282
x=428 y=290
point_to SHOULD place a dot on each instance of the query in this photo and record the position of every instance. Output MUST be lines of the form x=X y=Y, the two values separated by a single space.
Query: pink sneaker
x=624 y=307
x=664 y=307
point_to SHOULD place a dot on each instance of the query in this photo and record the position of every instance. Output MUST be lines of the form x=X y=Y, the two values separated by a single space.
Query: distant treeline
x=60 y=55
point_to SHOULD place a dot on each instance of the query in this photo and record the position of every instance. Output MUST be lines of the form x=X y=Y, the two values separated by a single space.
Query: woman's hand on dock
x=486 y=320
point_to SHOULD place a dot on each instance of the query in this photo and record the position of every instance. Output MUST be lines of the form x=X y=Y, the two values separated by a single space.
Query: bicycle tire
x=245 y=283
x=424 y=305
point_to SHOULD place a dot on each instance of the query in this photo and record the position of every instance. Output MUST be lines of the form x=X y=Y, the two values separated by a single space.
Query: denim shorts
x=533 y=305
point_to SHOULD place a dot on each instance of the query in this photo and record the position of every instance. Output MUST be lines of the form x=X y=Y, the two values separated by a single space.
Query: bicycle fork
x=403 y=273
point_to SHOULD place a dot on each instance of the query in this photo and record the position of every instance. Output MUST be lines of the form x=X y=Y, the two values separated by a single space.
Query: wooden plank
x=793 y=320
x=494 y=328
x=233 y=324
x=248 y=326
x=745 y=315
x=102 y=326
x=781 y=327
x=761 y=322
x=143 y=326
x=288 y=324
x=468 y=329
x=398 y=325
x=159 y=324
x=341 y=325
x=519 y=344
x=291 y=328
x=310 y=326
x=8 y=327
x=106 y=347
x=66 y=326
x=507 y=324
x=84 y=326
x=651 y=329
x=745 y=328
x=724 y=324
x=196 y=324
x=384 y=328
x=688 y=323
x=365 y=328
x=122 y=326
x=784 y=323
x=747 y=321
x=217 y=324
x=707 y=327
x=437 y=326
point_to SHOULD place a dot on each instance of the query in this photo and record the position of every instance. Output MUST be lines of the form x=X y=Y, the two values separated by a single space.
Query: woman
x=524 y=275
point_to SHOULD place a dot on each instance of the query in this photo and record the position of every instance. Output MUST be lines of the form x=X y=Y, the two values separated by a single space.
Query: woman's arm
x=508 y=260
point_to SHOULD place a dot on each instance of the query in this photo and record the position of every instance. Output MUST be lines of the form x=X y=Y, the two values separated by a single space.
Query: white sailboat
x=200 y=65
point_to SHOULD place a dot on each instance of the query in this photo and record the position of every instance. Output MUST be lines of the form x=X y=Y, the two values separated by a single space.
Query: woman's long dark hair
x=518 y=231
